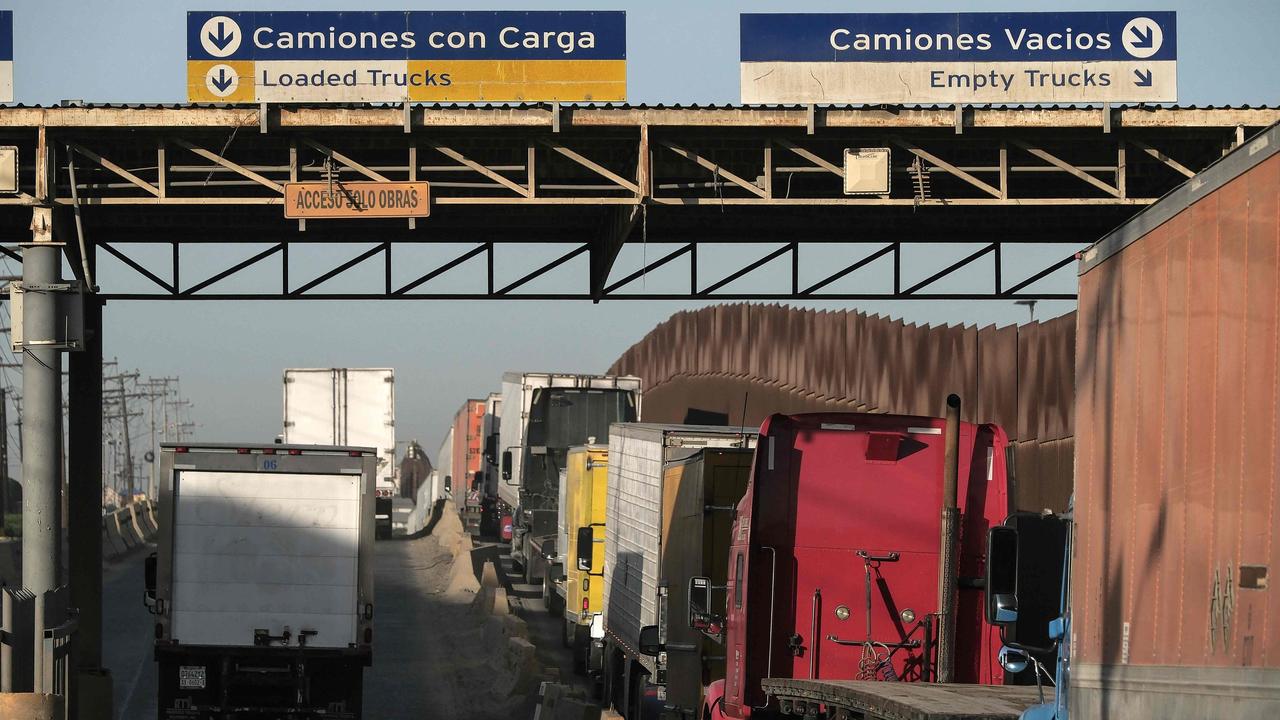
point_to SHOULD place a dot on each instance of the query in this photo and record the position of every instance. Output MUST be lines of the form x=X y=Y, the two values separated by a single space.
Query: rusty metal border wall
x=747 y=361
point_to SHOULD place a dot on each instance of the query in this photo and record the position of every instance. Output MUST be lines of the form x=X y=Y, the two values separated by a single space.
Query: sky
x=230 y=355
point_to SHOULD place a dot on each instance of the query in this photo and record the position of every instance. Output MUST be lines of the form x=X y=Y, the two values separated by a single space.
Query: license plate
x=191 y=677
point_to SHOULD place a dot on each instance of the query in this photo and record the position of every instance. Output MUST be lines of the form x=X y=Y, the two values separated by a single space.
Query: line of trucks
x=830 y=565
x=855 y=565
x=690 y=565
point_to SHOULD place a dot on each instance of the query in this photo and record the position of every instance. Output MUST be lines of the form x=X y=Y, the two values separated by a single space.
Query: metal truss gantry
x=590 y=180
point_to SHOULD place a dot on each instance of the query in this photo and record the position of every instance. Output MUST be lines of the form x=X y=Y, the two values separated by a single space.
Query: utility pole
x=124 y=416
x=157 y=388
x=178 y=425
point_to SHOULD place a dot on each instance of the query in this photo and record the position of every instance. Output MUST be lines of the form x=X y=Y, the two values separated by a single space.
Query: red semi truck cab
x=833 y=565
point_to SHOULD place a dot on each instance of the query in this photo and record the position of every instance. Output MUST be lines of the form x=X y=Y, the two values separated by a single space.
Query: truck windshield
x=559 y=419
x=564 y=417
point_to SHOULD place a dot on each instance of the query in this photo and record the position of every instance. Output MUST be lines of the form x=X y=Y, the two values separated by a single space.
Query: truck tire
x=635 y=692
x=568 y=631
x=548 y=594
x=612 y=692
x=581 y=648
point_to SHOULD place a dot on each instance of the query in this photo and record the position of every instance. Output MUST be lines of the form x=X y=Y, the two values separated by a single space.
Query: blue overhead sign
x=959 y=57
x=407 y=55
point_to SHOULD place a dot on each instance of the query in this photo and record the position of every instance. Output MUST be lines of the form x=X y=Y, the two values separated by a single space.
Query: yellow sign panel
x=303 y=200
x=517 y=80
x=220 y=81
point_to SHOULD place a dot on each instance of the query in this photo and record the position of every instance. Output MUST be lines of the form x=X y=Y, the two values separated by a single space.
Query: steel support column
x=90 y=695
x=42 y=420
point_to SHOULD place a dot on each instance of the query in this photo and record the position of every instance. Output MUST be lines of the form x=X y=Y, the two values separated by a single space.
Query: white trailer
x=670 y=497
x=543 y=415
x=444 y=465
x=343 y=406
x=262 y=582
x=350 y=407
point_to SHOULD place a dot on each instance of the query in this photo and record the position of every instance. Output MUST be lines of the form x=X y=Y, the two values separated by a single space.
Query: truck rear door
x=256 y=553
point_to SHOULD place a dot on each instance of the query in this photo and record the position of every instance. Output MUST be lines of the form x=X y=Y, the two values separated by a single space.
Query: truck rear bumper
x=222 y=682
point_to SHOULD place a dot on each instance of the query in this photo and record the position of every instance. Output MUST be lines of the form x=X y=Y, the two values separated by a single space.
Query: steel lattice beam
x=597 y=179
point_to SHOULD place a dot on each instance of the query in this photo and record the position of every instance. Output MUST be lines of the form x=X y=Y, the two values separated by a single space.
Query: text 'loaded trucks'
x=262 y=582
x=543 y=415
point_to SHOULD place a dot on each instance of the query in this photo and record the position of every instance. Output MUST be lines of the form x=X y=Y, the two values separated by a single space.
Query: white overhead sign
x=914 y=58
x=6 y=56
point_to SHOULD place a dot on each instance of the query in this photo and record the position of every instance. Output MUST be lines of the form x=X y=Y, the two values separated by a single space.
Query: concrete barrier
x=119 y=543
x=565 y=702
x=135 y=520
x=150 y=525
x=109 y=547
x=31 y=706
x=125 y=527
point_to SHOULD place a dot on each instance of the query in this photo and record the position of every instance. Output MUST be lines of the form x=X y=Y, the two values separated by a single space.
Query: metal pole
x=155 y=449
x=4 y=455
x=91 y=688
x=947 y=549
x=128 y=449
x=42 y=416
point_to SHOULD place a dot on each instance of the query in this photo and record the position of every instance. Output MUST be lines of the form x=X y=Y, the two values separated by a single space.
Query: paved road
x=127 y=640
x=429 y=661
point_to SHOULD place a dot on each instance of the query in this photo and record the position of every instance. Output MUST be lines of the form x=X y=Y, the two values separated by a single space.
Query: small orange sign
x=303 y=200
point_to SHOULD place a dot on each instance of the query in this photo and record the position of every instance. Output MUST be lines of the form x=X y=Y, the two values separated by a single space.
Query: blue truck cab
x=1028 y=597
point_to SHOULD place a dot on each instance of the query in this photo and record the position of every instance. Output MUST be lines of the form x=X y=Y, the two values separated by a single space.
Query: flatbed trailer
x=875 y=700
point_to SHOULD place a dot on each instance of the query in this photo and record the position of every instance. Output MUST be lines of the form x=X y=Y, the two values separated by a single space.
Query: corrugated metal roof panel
x=629 y=106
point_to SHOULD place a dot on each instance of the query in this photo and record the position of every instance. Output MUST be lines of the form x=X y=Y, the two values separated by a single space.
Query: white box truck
x=262 y=581
x=349 y=406
x=543 y=415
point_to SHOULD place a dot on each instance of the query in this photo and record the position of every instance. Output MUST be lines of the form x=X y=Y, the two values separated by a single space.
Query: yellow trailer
x=582 y=520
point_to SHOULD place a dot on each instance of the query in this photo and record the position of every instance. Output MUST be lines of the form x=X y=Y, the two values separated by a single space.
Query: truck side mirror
x=699 y=597
x=506 y=465
x=149 y=580
x=491 y=448
x=649 y=644
x=586 y=547
x=1013 y=660
x=700 y=616
x=1002 y=575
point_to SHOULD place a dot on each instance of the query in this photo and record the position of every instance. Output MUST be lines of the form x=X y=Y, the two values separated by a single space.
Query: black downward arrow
x=223 y=81
x=223 y=38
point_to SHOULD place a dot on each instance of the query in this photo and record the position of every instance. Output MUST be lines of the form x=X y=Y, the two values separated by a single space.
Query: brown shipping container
x=1176 y=453
x=468 y=440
